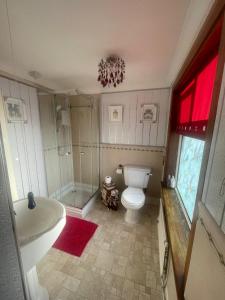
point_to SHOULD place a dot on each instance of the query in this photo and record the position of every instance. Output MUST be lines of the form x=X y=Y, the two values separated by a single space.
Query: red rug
x=75 y=236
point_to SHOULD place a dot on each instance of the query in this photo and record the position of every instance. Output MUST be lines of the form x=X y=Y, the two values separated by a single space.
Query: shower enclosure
x=70 y=134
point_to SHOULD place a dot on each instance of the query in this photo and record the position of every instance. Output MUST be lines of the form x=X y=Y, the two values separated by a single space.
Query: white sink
x=37 y=230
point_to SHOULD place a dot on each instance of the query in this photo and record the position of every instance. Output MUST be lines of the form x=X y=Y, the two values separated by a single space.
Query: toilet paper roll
x=108 y=179
x=119 y=171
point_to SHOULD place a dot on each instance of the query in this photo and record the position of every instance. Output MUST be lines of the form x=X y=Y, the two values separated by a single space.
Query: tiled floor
x=120 y=262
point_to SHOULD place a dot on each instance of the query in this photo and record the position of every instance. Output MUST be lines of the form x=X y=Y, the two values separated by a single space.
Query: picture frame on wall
x=149 y=113
x=115 y=113
x=15 y=110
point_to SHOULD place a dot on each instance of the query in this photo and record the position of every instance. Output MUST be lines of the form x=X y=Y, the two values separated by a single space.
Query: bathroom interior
x=112 y=150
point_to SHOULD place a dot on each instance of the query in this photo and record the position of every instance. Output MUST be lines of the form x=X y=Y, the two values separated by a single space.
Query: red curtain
x=185 y=99
x=203 y=91
x=193 y=95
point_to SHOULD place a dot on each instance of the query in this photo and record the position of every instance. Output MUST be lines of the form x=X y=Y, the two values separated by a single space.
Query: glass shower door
x=86 y=162
x=85 y=156
x=64 y=149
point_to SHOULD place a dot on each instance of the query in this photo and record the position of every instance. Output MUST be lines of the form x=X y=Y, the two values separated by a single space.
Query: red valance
x=193 y=95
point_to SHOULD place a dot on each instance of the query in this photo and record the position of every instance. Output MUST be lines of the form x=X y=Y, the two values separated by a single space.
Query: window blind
x=193 y=95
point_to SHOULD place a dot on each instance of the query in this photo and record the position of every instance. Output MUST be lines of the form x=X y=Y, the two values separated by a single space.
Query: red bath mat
x=75 y=236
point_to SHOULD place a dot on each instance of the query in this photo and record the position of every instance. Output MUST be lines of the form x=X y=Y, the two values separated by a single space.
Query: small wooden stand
x=110 y=195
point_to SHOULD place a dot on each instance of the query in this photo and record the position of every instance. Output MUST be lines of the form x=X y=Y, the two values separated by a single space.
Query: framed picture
x=149 y=113
x=115 y=113
x=15 y=110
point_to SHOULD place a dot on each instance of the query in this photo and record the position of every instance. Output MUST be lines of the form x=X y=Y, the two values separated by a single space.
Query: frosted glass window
x=189 y=171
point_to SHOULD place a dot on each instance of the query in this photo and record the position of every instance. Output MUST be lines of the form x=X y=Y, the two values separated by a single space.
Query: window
x=189 y=171
x=190 y=115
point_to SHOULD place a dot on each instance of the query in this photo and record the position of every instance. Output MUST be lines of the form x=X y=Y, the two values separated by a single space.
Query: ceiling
x=65 y=40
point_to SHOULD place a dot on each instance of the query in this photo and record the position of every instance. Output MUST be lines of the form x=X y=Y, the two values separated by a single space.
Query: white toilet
x=133 y=197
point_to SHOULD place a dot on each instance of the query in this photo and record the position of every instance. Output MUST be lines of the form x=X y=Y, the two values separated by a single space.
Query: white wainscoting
x=25 y=142
x=131 y=131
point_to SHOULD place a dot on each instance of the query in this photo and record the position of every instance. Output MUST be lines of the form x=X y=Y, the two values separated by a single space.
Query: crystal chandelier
x=111 y=71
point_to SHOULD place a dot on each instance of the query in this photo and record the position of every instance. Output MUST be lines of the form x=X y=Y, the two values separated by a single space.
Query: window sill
x=178 y=234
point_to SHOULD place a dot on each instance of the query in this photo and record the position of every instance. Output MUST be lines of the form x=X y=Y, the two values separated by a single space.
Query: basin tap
x=31 y=202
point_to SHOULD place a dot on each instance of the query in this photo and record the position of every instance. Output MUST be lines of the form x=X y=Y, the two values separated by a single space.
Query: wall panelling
x=25 y=141
x=131 y=130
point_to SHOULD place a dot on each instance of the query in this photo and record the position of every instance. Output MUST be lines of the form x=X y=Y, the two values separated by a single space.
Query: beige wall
x=113 y=155
x=172 y=154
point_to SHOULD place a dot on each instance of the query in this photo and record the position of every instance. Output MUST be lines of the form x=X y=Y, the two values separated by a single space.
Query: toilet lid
x=134 y=197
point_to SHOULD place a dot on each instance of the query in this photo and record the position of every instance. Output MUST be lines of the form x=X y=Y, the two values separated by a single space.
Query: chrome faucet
x=31 y=202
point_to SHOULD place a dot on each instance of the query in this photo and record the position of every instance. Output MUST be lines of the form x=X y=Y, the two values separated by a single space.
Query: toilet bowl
x=133 y=197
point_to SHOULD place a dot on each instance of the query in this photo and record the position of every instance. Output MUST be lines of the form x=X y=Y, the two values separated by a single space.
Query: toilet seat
x=133 y=198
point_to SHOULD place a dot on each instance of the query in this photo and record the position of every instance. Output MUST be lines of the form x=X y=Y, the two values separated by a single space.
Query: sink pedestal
x=34 y=289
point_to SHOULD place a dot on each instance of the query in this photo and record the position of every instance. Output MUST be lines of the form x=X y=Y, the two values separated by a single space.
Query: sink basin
x=37 y=230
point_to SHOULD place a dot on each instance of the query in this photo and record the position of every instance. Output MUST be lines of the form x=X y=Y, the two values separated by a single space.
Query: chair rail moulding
x=132 y=148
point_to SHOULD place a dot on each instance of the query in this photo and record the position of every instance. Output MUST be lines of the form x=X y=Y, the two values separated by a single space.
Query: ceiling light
x=111 y=71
